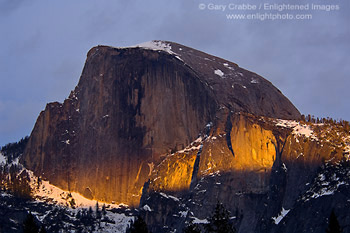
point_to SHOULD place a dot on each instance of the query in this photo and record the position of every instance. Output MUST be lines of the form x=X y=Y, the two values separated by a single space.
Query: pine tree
x=42 y=229
x=104 y=210
x=18 y=183
x=333 y=225
x=220 y=221
x=346 y=126
x=14 y=150
x=98 y=212
x=29 y=225
x=78 y=215
x=90 y=212
x=139 y=226
x=191 y=228
x=308 y=118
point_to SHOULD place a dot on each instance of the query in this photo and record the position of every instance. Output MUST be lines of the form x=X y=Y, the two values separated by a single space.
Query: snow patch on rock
x=279 y=218
x=121 y=222
x=147 y=208
x=219 y=73
x=194 y=145
x=324 y=185
x=188 y=149
x=43 y=190
x=169 y=196
x=183 y=214
x=3 y=159
x=199 y=221
x=156 y=45
x=299 y=129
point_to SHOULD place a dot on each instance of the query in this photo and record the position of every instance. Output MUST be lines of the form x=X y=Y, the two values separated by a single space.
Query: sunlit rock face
x=133 y=106
x=253 y=148
x=174 y=173
x=256 y=166
x=245 y=155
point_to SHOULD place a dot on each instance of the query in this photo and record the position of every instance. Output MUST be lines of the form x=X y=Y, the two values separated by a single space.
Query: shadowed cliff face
x=238 y=89
x=134 y=105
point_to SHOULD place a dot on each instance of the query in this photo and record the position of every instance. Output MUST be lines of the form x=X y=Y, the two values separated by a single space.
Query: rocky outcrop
x=274 y=165
x=134 y=105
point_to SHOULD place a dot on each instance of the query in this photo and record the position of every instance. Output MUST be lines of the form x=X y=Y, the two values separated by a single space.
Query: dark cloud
x=44 y=45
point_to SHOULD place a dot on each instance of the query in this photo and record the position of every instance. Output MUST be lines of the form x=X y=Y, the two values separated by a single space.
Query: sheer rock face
x=133 y=105
x=271 y=165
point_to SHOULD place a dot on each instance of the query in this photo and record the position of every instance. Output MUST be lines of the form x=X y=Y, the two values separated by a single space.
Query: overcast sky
x=43 y=46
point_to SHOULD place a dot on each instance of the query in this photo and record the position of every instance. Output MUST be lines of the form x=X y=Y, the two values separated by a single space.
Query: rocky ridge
x=133 y=105
x=173 y=130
